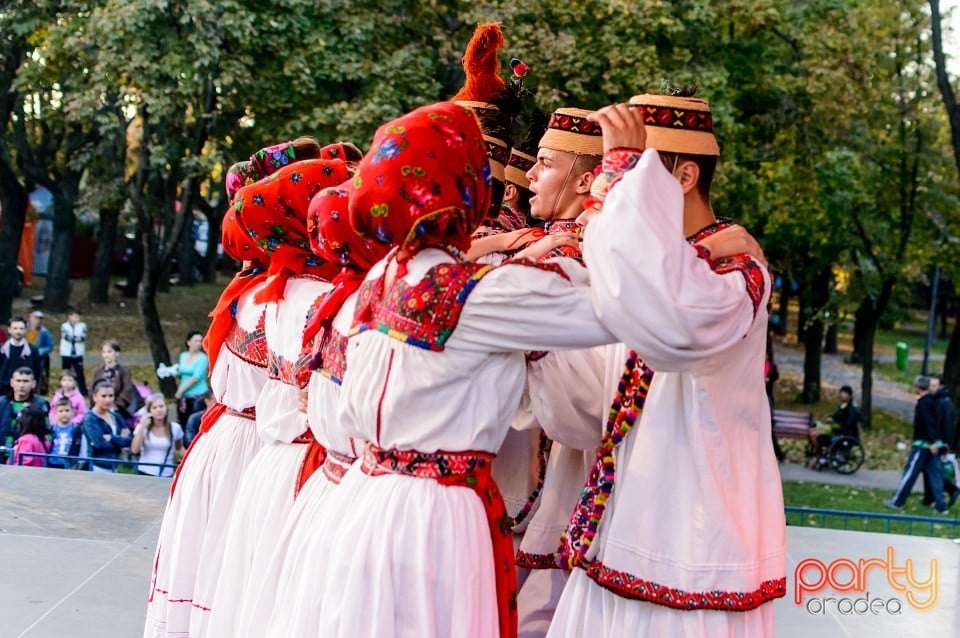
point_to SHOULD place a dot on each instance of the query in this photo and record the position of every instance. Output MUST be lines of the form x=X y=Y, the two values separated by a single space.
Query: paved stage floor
x=76 y=549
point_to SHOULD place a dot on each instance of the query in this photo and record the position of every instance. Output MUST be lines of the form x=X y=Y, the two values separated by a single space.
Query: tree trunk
x=134 y=267
x=185 y=262
x=814 y=297
x=871 y=319
x=860 y=319
x=56 y=292
x=149 y=315
x=100 y=277
x=802 y=312
x=830 y=342
x=951 y=368
x=13 y=212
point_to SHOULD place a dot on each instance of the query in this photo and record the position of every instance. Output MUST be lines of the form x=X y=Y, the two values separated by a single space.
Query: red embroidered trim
x=752 y=271
x=618 y=161
x=424 y=314
x=556 y=227
x=336 y=465
x=554 y=268
x=521 y=163
x=334 y=356
x=628 y=586
x=538 y=561
x=574 y=124
x=498 y=153
x=680 y=119
x=296 y=373
x=249 y=346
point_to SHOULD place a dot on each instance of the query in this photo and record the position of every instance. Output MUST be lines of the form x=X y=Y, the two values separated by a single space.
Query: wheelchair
x=844 y=455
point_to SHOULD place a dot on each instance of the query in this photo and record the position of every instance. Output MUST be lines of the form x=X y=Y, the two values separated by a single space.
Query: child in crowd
x=68 y=390
x=66 y=432
x=33 y=438
x=73 y=338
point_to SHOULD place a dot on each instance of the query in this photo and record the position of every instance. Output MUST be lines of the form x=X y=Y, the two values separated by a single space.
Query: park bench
x=788 y=424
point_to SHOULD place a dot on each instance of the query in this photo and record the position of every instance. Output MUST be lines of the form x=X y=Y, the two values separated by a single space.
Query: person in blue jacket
x=105 y=430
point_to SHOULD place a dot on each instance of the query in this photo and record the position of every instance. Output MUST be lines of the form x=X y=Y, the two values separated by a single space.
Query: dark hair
x=305 y=147
x=63 y=401
x=191 y=335
x=585 y=164
x=113 y=343
x=32 y=420
x=68 y=373
x=100 y=384
x=706 y=163
x=14 y=319
x=23 y=370
x=847 y=389
x=72 y=310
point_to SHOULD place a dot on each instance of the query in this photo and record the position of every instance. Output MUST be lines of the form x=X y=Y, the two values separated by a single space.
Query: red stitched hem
x=628 y=586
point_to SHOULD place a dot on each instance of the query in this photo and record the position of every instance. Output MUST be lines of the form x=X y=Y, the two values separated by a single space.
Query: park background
x=838 y=122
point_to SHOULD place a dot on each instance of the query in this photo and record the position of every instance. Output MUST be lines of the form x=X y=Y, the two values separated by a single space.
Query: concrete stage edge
x=76 y=549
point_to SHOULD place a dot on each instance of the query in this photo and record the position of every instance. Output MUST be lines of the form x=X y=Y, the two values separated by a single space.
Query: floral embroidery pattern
x=674 y=118
x=538 y=561
x=588 y=513
x=573 y=124
x=333 y=354
x=424 y=314
x=557 y=227
x=336 y=465
x=628 y=586
x=752 y=271
x=249 y=346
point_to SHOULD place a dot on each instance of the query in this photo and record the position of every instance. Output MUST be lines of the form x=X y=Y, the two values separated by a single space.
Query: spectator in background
x=16 y=352
x=125 y=395
x=925 y=452
x=105 y=429
x=20 y=396
x=40 y=339
x=33 y=438
x=948 y=431
x=73 y=339
x=156 y=439
x=66 y=433
x=193 y=422
x=192 y=367
x=68 y=390
x=845 y=422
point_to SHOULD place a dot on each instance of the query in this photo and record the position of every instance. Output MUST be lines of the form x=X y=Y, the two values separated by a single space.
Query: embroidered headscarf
x=271 y=159
x=274 y=213
x=334 y=240
x=425 y=181
x=238 y=245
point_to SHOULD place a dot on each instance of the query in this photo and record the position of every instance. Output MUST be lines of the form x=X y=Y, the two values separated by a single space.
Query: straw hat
x=677 y=124
x=569 y=131
x=517 y=168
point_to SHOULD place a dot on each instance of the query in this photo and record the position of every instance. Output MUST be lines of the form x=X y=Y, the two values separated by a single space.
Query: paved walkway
x=873 y=479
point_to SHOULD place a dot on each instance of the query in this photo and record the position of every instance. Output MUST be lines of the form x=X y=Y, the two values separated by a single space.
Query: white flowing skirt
x=587 y=610
x=402 y=557
x=232 y=564
x=287 y=576
x=199 y=507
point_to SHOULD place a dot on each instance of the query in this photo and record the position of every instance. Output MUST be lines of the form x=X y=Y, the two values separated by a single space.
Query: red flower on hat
x=519 y=67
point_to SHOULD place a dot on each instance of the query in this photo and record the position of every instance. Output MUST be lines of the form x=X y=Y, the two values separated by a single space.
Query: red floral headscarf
x=334 y=240
x=274 y=213
x=263 y=163
x=237 y=244
x=425 y=181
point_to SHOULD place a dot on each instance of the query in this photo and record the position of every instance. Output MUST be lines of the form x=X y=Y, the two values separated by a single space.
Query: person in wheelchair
x=845 y=421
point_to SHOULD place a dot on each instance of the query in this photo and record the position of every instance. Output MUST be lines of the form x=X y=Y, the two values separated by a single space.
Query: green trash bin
x=902 y=351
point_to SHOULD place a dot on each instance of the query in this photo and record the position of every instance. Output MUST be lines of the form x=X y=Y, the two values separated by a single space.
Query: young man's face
x=23 y=385
x=35 y=322
x=73 y=317
x=17 y=330
x=550 y=182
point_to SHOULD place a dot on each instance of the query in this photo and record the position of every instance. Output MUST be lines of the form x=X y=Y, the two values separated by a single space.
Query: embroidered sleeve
x=752 y=274
x=618 y=161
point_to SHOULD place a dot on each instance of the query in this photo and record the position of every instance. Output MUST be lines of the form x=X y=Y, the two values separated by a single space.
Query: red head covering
x=334 y=240
x=237 y=244
x=264 y=162
x=425 y=182
x=274 y=213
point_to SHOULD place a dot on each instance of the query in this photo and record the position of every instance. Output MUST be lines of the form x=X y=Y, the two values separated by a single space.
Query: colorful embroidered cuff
x=618 y=161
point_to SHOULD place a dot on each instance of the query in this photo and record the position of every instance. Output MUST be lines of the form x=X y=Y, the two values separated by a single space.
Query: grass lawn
x=857 y=499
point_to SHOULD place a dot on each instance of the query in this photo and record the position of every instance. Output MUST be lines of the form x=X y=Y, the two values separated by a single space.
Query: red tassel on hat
x=482 y=66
